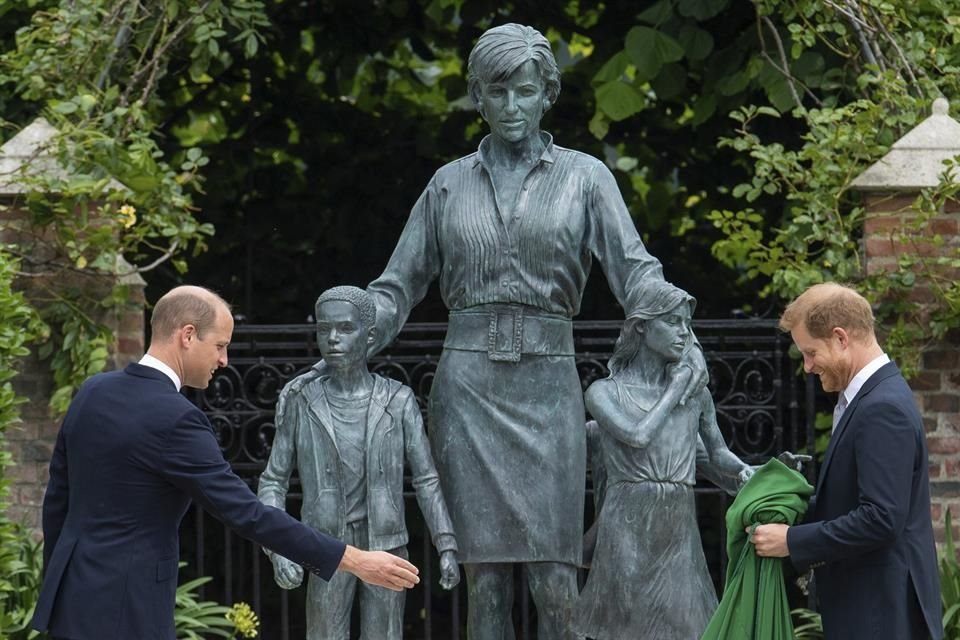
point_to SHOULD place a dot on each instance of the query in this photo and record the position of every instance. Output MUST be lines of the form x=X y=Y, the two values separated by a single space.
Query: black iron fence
x=763 y=407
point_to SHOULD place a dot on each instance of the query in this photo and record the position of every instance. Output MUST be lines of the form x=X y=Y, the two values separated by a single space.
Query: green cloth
x=754 y=604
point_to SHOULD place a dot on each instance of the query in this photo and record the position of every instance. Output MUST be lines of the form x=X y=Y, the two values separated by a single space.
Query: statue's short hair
x=502 y=50
x=824 y=307
x=359 y=298
x=186 y=305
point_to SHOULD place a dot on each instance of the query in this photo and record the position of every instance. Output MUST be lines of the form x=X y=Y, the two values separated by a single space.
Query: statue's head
x=658 y=323
x=502 y=50
x=346 y=324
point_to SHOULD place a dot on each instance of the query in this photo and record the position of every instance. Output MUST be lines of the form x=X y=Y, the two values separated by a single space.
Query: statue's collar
x=482 y=151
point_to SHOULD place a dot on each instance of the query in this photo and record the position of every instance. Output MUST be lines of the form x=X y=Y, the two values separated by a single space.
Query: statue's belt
x=505 y=332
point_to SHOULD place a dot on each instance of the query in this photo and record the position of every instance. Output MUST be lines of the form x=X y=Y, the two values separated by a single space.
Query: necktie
x=838 y=410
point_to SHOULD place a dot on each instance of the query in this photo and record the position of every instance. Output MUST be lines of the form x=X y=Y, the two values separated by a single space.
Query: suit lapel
x=884 y=372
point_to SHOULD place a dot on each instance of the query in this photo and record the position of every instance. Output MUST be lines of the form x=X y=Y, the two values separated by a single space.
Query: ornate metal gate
x=763 y=407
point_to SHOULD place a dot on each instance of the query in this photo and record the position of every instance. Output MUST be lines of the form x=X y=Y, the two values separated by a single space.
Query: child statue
x=648 y=576
x=347 y=433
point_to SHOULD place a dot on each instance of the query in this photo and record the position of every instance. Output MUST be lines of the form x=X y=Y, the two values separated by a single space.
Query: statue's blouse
x=535 y=252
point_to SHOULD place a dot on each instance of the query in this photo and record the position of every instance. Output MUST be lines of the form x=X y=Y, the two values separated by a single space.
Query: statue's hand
x=744 y=476
x=449 y=571
x=679 y=376
x=286 y=573
x=699 y=377
x=794 y=460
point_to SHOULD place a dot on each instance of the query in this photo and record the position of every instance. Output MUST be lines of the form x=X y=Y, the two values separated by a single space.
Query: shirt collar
x=155 y=363
x=863 y=375
x=483 y=149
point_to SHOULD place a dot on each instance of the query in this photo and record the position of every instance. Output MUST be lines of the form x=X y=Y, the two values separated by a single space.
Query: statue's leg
x=553 y=586
x=489 y=601
x=381 y=609
x=328 y=606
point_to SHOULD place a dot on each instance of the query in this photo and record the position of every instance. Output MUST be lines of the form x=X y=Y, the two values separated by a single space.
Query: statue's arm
x=415 y=263
x=604 y=405
x=613 y=237
x=275 y=479
x=719 y=459
x=426 y=482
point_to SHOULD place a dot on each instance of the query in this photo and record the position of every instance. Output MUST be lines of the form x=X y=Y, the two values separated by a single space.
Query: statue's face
x=341 y=336
x=514 y=107
x=669 y=333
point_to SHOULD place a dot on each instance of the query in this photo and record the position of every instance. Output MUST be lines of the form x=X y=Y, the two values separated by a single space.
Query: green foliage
x=950 y=583
x=807 y=625
x=196 y=619
x=120 y=204
x=800 y=224
x=21 y=562
x=19 y=327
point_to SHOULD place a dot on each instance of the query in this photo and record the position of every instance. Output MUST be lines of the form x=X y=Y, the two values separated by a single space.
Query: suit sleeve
x=885 y=453
x=192 y=461
x=56 y=499
x=426 y=482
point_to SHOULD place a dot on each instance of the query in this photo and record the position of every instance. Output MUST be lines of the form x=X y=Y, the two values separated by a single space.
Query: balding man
x=130 y=456
x=868 y=533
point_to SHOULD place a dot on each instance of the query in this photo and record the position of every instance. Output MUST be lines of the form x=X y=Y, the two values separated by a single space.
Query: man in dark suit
x=868 y=534
x=131 y=454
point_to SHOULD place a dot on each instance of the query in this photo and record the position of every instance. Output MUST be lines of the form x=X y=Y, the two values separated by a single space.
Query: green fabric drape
x=754 y=604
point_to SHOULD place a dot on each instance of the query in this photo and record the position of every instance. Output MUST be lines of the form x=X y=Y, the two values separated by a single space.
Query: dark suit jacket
x=131 y=454
x=868 y=533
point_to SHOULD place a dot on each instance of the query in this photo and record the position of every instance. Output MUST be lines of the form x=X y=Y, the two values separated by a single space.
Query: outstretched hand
x=380 y=568
x=449 y=571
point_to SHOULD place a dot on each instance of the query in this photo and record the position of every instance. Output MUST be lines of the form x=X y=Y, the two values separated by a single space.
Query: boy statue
x=347 y=432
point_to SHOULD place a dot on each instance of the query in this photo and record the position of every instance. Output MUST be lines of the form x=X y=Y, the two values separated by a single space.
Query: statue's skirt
x=509 y=442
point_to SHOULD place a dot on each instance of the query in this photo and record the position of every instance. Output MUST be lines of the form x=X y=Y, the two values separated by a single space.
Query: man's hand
x=380 y=568
x=286 y=573
x=693 y=358
x=770 y=540
x=449 y=571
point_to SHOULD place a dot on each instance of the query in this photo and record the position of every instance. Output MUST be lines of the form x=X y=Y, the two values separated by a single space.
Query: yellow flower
x=244 y=620
x=128 y=215
x=81 y=262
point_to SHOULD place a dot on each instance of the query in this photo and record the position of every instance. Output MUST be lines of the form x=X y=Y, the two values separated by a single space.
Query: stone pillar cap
x=915 y=161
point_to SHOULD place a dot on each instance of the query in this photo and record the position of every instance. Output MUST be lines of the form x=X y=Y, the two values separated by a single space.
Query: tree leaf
x=618 y=100
x=613 y=69
x=649 y=50
x=697 y=43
